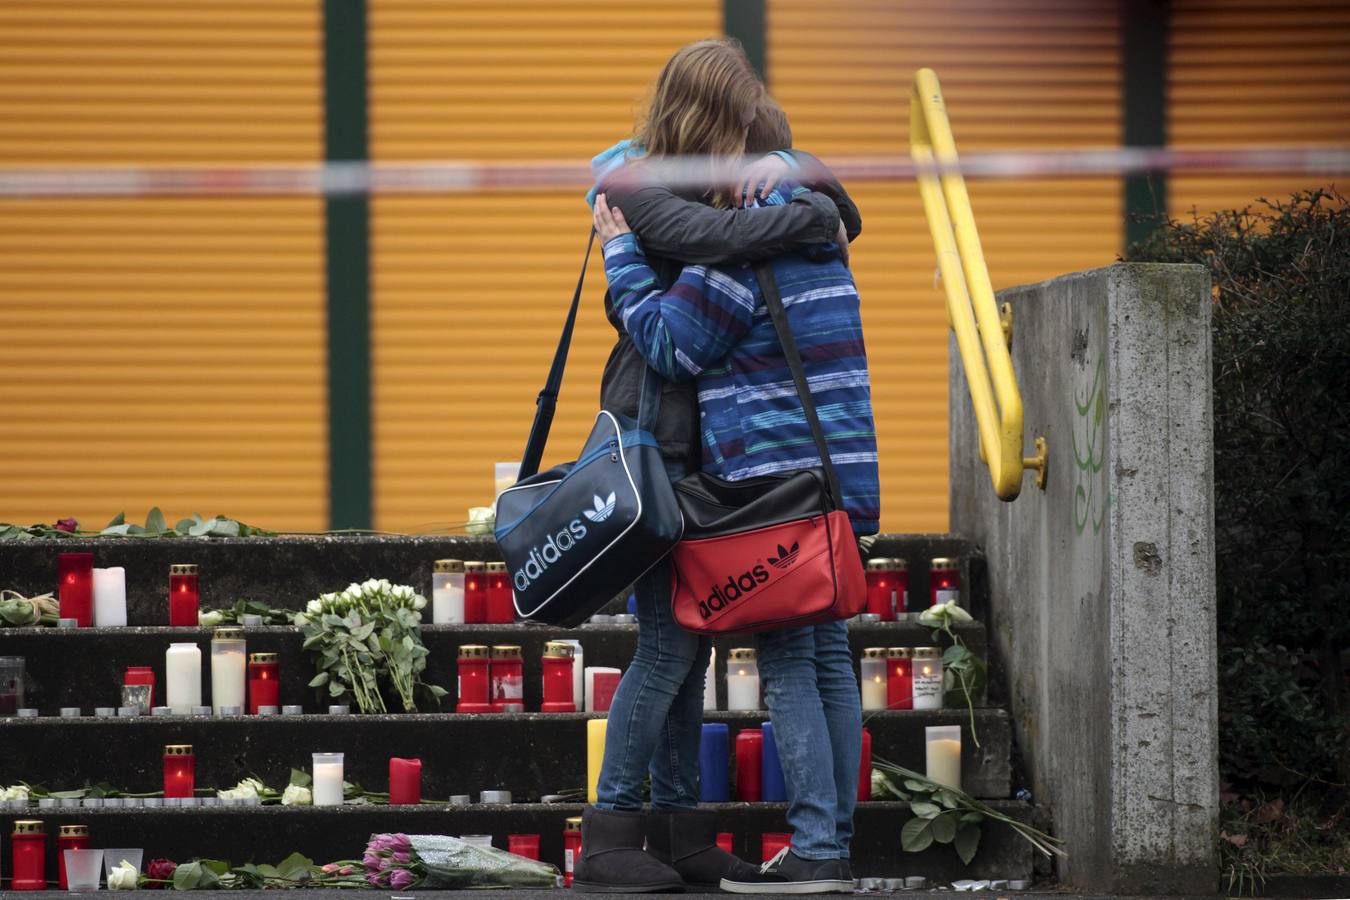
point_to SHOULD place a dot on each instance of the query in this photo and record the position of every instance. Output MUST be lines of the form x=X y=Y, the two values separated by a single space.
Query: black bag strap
x=768 y=286
x=547 y=401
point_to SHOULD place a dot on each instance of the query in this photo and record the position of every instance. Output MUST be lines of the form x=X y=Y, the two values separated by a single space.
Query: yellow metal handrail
x=982 y=333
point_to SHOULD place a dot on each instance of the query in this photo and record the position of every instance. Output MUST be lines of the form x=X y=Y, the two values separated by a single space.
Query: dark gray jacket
x=679 y=229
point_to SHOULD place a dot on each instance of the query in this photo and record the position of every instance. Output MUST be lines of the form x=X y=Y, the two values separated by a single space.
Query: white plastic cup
x=83 y=868
x=114 y=858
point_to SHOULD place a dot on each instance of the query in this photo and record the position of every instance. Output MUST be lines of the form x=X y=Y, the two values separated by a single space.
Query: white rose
x=419 y=602
x=353 y=590
x=15 y=792
x=209 y=619
x=300 y=620
x=258 y=786
x=122 y=877
x=481 y=520
x=295 y=795
x=314 y=607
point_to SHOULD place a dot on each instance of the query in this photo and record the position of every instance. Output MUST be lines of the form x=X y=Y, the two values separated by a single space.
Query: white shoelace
x=778 y=857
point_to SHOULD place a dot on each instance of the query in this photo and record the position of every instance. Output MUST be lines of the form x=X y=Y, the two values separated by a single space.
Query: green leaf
x=219 y=866
x=921 y=787
x=319 y=680
x=336 y=689
x=924 y=810
x=118 y=519
x=300 y=778
x=967 y=842
x=154 y=521
x=295 y=867
x=194 y=876
x=971 y=818
x=916 y=836
x=947 y=799
x=944 y=827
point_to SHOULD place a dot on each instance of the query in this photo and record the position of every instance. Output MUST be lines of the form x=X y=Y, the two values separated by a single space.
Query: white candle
x=447 y=592
x=590 y=684
x=710 y=683
x=327 y=779
x=183 y=678
x=742 y=680
x=873 y=671
x=578 y=674
x=228 y=669
x=943 y=744
x=927 y=678
x=110 y=596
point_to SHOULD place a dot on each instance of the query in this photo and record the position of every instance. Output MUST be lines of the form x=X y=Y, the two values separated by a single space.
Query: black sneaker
x=788 y=873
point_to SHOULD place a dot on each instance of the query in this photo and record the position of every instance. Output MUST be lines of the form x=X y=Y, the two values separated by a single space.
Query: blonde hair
x=770 y=131
x=704 y=98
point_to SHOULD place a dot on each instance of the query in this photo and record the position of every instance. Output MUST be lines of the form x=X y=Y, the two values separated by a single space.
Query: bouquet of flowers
x=365 y=639
x=435 y=861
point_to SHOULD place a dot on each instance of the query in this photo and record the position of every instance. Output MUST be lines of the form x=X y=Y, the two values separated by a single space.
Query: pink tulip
x=402 y=856
x=401 y=879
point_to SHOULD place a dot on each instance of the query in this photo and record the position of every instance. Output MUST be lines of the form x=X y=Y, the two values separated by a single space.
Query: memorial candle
x=773 y=789
x=475 y=690
x=771 y=842
x=28 y=844
x=593 y=673
x=110 y=597
x=526 y=845
x=180 y=770
x=742 y=679
x=558 y=683
x=264 y=681
x=726 y=841
x=327 y=778
x=183 y=678
x=405 y=780
x=578 y=673
x=501 y=608
x=901 y=588
x=141 y=675
x=571 y=848
x=229 y=667
x=75 y=585
x=508 y=678
x=873 y=672
x=68 y=837
x=11 y=684
x=749 y=762
x=944 y=581
x=881 y=587
x=927 y=678
x=184 y=595
x=899 y=678
x=606 y=686
x=865 y=767
x=713 y=778
x=942 y=744
x=447 y=592
x=475 y=592
x=595 y=755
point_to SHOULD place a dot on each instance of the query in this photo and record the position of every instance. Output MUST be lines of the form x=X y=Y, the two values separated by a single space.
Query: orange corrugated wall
x=1255 y=72
x=166 y=351
x=1015 y=75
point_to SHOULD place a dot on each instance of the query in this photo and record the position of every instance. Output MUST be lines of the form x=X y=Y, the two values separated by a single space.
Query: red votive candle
x=264 y=681
x=558 y=681
x=184 y=595
x=944 y=581
x=900 y=678
x=180 y=770
x=141 y=675
x=475 y=691
x=508 y=679
x=75 y=585
x=606 y=684
x=901 y=586
x=475 y=592
x=881 y=587
x=501 y=608
x=749 y=761
x=865 y=767
x=571 y=848
x=405 y=781
x=29 y=846
x=770 y=842
x=725 y=841
x=526 y=845
x=68 y=837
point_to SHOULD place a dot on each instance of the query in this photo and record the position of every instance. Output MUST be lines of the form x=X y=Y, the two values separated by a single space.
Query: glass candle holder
x=475 y=689
x=508 y=678
x=571 y=848
x=742 y=679
x=83 y=868
x=68 y=837
x=229 y=669
x=141 y=675
x=447 y=592
x=28 y=843
x=901 y=588
x=183 y=678
x=184 y=595
x=942 y=744
x=501 y=609
x=749 y=758
x=714 y=777
x=526 y=845
x=180 y=770
x=405 y=781
x=264 y=681
x=881 y=588
x=11 y=685
x=944 y=581
x=873 y=677
x=927 y=678
x=900 y=678
x=475 y=592
x=75 y=580
x=110 y=597
x=558 y=682
x=327 y=787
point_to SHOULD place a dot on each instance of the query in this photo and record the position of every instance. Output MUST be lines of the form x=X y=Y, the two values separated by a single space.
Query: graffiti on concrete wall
x=1091 y=497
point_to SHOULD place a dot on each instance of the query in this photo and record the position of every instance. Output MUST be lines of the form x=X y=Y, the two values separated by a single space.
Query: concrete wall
x=1102 y=586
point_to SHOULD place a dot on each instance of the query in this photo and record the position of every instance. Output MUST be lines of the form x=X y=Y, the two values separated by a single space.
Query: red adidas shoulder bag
x=770 y=552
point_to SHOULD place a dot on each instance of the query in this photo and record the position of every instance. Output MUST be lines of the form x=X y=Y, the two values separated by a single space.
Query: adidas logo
x=785 y=557
x=603 y=508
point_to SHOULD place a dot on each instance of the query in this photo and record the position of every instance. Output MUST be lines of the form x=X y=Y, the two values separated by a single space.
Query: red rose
x=160 y=869
x=68 y=524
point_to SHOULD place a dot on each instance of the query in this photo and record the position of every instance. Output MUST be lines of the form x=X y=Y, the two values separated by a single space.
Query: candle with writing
x=501 y=608
x=900 y=678
x=558 y=684
x=183 y=678
x=110 y=596
x=447 y=592
x=943 y=746
x=228 y=668
x=264 y=681
x=68 y=837
x=475 y=592
x=881 y=587
x=873 y=672
x=571 y=848
x=184 y=595
x=944 y=581
x=475 y=689
x=927 y=678
x=28 y=843
x=327 y=779
x=141 y=675
x=405 y=780
x=526 y=845
x=742 y=679
x=726 y=841
x=508 y=678
x=180 y=770
x=75 y=585
x=749 y=758
x=865 y=767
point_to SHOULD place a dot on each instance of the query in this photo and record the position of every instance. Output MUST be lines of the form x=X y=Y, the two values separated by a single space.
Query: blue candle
x=713 y=755
x=772 y=788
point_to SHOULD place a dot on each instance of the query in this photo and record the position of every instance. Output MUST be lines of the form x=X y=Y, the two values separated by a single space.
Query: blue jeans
x=813 y=702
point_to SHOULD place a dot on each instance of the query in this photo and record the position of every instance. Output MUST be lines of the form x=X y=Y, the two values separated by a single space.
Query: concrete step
x=290 y=571
x=265 y=834
x=84 y=666
x=529 y=754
